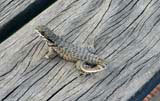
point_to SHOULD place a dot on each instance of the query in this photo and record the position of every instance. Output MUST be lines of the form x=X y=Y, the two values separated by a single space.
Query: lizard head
x=46 y=33
x=43 y=31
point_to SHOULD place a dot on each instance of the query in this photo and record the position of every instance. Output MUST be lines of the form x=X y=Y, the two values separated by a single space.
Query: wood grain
x=126 y=34
x=11 y=8
x=16 y=13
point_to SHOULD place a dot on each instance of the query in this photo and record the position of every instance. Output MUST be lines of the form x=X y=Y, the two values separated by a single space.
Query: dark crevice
x=5 y=48
x=102 y=17
x=24 y=17
x=122 y=8
x=60 y=89
x=31 y=58
x=33 y=84
x=115 y=89
x=10 y=70
x=134 y=20
x=147 y=88
x=9 y=93
x=86 y=91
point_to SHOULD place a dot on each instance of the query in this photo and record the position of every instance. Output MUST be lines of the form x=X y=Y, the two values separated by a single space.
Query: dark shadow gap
x=147 y=88
x=22 y=18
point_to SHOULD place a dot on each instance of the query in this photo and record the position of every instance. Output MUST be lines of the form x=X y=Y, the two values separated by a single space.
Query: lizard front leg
x=88 y=69
x=50 y=53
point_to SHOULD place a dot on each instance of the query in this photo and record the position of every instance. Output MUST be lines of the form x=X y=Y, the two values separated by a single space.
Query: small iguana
x=85 y=60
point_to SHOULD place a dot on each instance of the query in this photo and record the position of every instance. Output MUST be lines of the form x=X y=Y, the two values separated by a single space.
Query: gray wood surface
x=16 y=13
x=126 y=34
x=11 y=8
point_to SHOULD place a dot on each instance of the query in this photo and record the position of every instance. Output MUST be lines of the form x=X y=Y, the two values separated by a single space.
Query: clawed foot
x=46 y=56
x=49 y=56
x=84 y=77
x=50 y=53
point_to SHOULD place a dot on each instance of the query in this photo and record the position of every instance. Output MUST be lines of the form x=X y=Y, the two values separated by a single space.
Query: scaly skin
x=71 y=52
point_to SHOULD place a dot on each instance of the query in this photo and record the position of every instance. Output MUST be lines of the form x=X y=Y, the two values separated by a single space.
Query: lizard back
x=74 y=53
x=67 y=50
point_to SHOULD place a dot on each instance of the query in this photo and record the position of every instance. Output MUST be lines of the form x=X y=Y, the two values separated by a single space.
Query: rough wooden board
x=126 y=34
x=11 y=8
x=16 y=13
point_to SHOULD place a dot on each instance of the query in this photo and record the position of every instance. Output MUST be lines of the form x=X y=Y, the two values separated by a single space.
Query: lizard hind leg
x=79 y=64
x=84 y=76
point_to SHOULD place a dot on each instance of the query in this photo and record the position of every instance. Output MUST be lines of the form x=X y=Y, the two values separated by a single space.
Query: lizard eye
x=42 y=32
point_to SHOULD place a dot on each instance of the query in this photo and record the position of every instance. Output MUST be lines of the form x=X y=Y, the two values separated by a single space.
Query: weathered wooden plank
x=11 y=8
x=16 y=13
x=126 y=34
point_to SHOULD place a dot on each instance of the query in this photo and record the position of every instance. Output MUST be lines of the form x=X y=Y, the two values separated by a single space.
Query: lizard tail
x=89 y=69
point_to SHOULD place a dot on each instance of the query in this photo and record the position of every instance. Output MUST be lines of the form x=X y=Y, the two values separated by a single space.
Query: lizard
x=70 y=52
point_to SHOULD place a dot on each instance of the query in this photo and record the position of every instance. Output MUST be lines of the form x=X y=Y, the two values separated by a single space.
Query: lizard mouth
x=39 y=33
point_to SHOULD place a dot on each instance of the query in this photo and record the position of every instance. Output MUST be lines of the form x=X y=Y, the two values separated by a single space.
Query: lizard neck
x=55 y=40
